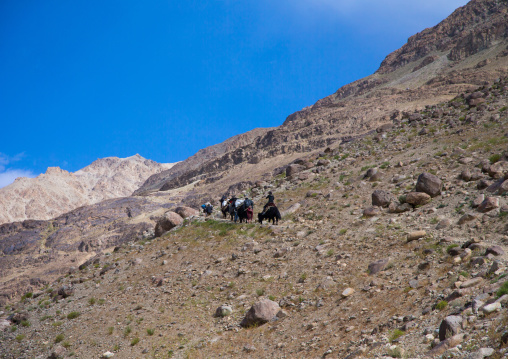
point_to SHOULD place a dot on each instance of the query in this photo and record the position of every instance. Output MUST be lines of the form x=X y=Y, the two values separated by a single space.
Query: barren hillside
x=394 y=245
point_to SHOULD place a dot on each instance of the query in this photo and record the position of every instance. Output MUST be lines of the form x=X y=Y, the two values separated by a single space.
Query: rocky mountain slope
x=392 y=245
x=154 y=182
x=393 y=239
x=58 y=191
x=464 y=51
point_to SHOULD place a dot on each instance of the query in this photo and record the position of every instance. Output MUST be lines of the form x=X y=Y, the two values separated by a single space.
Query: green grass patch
x=73 y=315
x=397 y=333
x=495 y=158
x=503 y=290
x=20 y=337
x=134 y=341
x=59 y=338
x=441 y=305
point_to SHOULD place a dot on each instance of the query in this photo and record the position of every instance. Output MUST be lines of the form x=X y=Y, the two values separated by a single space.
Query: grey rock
x=378 y=266
x=429 y=184
x=450 y=326
x=492 y=307
x=260 y=313
x=293 y=169
x=488 y=204
x=482 y=353
x=223 y=311
x=495 y=250
x=382 y=198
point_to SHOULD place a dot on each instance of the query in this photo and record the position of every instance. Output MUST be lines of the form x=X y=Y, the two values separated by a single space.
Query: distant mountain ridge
x=58 y=191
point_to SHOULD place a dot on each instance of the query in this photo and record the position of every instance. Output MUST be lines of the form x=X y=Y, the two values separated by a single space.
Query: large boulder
x=168 y=222
x=399 y=208
x=293 y=169
x=295 y=207
x=65 y=291
x=382 y=198
x=260 y=313
x=450 y=326
x=378 y=266
x=418 y=198
x=185 y=212
x=497 y=170
x=429 y=184
x=488 y=204
x=371 y=212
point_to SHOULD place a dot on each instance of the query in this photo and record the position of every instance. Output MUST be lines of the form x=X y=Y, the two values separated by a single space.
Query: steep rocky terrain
x=58 y=191
x=153 y=183
x=466 y=50
x=392 y=245
x=393 y=239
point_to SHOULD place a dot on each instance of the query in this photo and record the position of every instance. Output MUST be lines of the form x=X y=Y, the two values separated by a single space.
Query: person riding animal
x=270 y=202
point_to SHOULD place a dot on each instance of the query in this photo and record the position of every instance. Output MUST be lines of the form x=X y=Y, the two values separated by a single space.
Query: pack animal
x=271 y=214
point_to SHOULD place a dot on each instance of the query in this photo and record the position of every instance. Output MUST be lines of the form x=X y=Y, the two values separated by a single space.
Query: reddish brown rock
x=185 y=212
x=168 y=222
x=418 y=198
x=488 y=204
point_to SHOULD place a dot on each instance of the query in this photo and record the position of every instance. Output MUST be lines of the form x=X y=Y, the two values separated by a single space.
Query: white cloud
x=347 y=7
x=371 y=14
x=7 y=160
x=8 y=176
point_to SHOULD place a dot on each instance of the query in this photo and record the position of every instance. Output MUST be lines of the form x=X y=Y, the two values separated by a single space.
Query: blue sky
x=91 y=79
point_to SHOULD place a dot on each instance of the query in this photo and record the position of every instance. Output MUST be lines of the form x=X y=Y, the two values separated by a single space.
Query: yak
x=271 y=214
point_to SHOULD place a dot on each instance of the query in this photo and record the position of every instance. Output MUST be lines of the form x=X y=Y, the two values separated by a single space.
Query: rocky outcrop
x=51 y=247
x=467 y=31
x=193 y=163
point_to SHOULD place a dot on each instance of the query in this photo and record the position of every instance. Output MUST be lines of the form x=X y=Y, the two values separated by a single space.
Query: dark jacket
x=270 y=198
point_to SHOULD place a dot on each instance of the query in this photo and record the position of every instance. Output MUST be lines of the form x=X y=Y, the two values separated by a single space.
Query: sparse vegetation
x=397 y=333
x=495 y=158
x=134 y=341
x=73 y=315
x=59 y=338
x=503 y=290
x=441 y=305
x=20 y=337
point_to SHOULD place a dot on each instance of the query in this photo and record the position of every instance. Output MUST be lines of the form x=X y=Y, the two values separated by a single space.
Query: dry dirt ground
x=157 y=298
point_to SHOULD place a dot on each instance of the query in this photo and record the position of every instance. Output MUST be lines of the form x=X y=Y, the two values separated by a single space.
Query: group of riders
x=242 y=209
